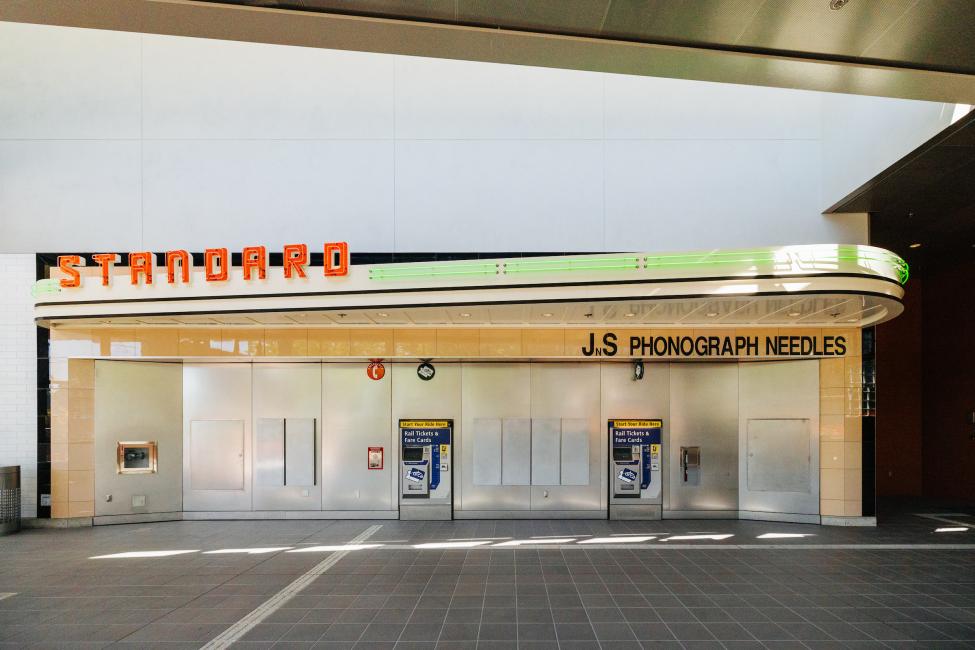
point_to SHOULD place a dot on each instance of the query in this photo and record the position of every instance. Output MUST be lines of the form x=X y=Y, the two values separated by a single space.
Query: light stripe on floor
x=236 y=631
x=943 y=517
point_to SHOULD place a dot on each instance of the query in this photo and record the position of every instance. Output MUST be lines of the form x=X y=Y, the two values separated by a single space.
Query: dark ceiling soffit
x=863 y=199
x=436 y=40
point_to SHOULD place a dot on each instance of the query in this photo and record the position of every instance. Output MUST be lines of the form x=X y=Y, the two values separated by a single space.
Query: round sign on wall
x=425 y=371
x=376 y=370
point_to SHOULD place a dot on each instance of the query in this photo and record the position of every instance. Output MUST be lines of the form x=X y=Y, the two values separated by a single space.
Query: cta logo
x=627 y=475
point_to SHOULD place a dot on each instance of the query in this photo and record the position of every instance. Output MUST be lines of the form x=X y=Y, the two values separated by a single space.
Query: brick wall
x=18 y=374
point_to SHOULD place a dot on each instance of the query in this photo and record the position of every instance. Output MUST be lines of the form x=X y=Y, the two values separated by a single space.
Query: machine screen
x=622 y=453
x=412 y=453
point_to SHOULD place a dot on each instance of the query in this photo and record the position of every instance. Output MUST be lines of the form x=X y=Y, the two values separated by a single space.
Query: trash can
x=9 y=499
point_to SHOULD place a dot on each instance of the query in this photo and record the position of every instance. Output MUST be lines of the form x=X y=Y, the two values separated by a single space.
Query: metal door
x=703 y=432
x=217 y=437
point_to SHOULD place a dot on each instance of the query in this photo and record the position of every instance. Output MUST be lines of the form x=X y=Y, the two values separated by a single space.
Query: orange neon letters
x=183 y=259
x=216 y=262
x=254 y=257
x=212 y=255
x=140 y=263
x=66 y=264
x=294 y=259
x=106 y=261
x=336 y=258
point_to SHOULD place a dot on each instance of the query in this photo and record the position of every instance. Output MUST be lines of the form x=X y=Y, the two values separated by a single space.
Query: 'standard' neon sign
x=216 y=264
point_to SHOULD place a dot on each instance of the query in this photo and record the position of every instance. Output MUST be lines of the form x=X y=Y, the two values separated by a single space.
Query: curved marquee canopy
x=810 y=285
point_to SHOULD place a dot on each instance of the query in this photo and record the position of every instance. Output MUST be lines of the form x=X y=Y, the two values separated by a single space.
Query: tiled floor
x=742 y=591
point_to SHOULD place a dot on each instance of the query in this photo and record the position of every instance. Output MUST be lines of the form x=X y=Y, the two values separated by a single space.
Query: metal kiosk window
x=136 y=457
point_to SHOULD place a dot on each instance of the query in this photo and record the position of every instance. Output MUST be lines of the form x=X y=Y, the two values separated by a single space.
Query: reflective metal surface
x=545 y=436
x=290 y=394
x=559 y=392
x=269 y=452
x=704 y=414
x=356 y=415
x=492 y=392
x=574 y=454
x=300 y=457
x=217 y=437
x=516 y=451
x=217 y=455
x=138 y=401
x=487 y=440
x=779 y=448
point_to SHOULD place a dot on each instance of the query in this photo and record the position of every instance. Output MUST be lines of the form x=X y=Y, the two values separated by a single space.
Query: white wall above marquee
x=124 y=141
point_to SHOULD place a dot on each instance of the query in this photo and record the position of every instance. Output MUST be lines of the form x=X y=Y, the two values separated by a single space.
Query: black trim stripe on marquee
x=481 y=287
x=463 y=304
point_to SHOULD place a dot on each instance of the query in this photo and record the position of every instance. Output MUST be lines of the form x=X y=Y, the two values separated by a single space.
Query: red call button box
x=375 y=458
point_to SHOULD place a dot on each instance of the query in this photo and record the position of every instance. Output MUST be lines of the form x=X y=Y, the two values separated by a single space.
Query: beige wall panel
x=73 y=343
x=285 y=342
x=161 y=342
x=831 y=484
x=116 y=342
x=415 y=343
x=328 y=343
x=500 y=342
x=458 y=343
x=80 y=455
x=242 y=342
x=199 y=342
x=81 y=373
x=371 y=343
x=832 y=508
x=831 y=373
x=543 y=342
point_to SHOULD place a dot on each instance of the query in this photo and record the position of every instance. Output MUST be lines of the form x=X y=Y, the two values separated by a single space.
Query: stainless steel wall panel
x=356 y=415
x=300 y=458
x=779 y=446
x=217 y=455
x=569 y=391
x=218 y=394
x=546 y=434
x=269 y=452
x=704 y=413
x=777 y=455
x=487 y=451
x=136 y=401
x=516 y=451
x=574 y=454
x=292 y=393
x=494 y=391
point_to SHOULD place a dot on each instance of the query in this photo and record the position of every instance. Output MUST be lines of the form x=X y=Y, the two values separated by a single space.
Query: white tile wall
x=18 y=374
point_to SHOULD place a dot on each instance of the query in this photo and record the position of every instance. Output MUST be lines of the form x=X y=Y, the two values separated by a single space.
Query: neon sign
x=216 y=264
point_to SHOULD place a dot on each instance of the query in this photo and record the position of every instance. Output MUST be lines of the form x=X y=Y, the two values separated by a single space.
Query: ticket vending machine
x=426 y=486
x=635 y=469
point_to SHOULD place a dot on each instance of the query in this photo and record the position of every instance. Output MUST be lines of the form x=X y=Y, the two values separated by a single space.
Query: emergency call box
x=136 y=457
